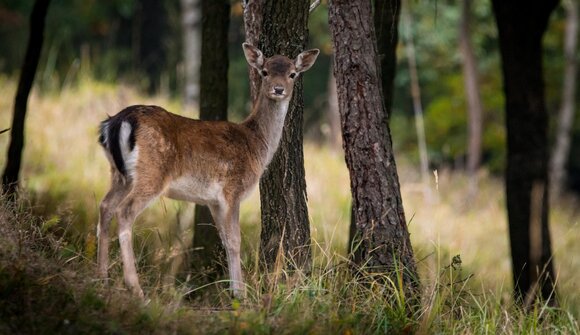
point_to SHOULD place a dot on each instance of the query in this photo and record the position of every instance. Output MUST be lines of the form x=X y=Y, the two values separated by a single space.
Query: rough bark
x=208 y=252
x=190 y=20
x=10 y=178
x=474 y=104
x=384 y=245
x=253 y=18
x=283 y=196
x=568 y=107
x=386 y=21
x=521 y=25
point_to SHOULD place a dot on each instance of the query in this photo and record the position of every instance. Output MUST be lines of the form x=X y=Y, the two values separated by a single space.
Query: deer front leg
x=227 y=222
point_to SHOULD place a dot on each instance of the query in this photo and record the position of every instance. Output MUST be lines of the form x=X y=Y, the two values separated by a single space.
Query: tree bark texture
x=474 y=104
x=521 y=25
x=386 y=21
x=568 y=107
x=283 y=29
x=10 y=178
x=208 y=252
x=253 y=17
x=384 y=245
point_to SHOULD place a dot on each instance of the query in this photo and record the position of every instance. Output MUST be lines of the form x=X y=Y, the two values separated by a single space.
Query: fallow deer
x=215 y=163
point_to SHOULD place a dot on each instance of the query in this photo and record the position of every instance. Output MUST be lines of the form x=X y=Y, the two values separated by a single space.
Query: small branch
x=313 y=5
x=5 y=130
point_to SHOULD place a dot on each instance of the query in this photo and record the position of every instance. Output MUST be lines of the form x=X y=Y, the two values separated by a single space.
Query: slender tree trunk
x=417 y=106
x=10 y=178
x=386 y=21
x=191 y=17
x=566 y=116
x=207 y=256
x=521 y=25
x=474 y=105
x=152 y=50
x=384 y=245
x=285 y=224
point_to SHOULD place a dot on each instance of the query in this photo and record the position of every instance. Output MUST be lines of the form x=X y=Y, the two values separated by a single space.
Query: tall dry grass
x=66 y=174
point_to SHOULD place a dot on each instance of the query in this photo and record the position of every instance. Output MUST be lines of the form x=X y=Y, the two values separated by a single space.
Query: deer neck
x=267 y=122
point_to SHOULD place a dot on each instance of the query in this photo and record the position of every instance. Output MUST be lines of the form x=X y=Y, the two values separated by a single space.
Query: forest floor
x=47 y=247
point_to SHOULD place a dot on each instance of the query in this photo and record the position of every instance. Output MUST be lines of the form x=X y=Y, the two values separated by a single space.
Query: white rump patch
x=129 y=156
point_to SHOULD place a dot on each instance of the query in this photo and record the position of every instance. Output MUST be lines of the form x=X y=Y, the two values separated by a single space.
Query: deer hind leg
x=227 y=222
x=137 y=200
x=118 y=191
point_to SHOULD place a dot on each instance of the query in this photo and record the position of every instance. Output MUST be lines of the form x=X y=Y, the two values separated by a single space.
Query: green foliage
x=100 y=39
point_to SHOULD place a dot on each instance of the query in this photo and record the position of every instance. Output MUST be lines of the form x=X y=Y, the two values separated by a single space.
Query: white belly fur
x=195 y=190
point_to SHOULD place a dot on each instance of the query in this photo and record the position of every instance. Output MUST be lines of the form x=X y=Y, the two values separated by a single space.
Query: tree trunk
x=207 y=255
x=10 y=177
x=521 y=25
x=378 y=208
x=283 y=196
x=152 y=50
x=253 y=18
x=191 y=16
x=566 y=116
x=474 y=105
x=417 y=106
x=386 y=21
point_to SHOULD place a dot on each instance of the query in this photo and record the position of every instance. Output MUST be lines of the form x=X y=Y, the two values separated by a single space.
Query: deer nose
x=278 y=90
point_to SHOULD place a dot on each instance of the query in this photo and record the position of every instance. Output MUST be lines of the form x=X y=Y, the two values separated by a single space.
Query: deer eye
x=264 y=73
x=293 y=75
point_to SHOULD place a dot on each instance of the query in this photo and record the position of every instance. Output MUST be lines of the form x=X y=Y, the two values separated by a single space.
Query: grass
x=47 y=248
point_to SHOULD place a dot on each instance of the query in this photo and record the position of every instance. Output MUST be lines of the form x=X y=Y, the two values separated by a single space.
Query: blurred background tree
x=109 y=41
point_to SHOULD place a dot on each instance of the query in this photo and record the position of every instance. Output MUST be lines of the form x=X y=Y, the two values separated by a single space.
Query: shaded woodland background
x=100 y=56
x=121 y=41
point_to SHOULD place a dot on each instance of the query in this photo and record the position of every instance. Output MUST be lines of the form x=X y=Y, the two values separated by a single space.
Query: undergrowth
x=47 y=288
x=47 y=248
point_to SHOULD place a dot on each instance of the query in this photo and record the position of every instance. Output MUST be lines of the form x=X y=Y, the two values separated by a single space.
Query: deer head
x=279 y=72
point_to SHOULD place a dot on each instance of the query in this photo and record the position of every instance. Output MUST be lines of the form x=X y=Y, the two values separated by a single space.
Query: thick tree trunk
x=10 y=178
x=378 y=208
x=568 y=107
x=152 y=51
x=474 y=105
x=207 y=255
x=386 y=21
x=521 y=25
x=285 y=224
x=190 y=20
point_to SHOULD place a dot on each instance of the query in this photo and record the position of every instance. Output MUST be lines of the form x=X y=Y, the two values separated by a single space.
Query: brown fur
x=211 y=163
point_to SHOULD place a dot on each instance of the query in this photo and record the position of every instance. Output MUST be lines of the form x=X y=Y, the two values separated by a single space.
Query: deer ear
x=305 y=60
x=254 y=56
